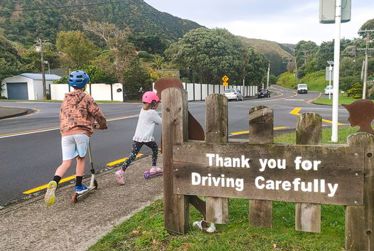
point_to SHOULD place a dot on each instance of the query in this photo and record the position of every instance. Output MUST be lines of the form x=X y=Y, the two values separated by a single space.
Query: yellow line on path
x=119 y=161
x=40 y=188
x=296 y=112
x=67 y=179
x=247 y=132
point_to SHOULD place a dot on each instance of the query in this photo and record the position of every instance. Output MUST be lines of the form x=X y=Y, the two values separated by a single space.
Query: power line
x=68 y=6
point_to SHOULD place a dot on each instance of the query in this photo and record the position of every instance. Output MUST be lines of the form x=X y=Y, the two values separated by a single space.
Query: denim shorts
x=74 y=145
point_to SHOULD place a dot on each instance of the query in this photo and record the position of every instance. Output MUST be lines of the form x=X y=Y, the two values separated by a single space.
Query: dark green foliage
x=206 y=55
x=135 y=77
x=26 y=20
x=10 y=60
x=355 y=91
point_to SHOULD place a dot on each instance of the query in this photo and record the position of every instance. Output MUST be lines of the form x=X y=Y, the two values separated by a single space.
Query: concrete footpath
x=30 y=225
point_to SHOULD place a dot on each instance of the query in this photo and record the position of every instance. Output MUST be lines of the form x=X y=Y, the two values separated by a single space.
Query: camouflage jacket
x=78 y=114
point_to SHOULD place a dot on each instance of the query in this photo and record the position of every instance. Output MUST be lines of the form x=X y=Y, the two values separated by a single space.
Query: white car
x=302 y=88
x=234 y=94
x=328 y=90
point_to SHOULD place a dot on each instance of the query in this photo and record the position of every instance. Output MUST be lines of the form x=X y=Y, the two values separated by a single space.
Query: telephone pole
x=365 y=64
x=40 y=48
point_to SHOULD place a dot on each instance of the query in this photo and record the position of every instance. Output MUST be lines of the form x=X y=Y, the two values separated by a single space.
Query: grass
x=145 y=230
x=324 y=100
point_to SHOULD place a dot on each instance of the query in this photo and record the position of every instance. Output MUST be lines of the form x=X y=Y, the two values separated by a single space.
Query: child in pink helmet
x=148 y=119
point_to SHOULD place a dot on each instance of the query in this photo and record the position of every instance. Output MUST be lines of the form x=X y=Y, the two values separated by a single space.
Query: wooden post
x=359 y=220
x=260 y=132
x=174 y=131
x=216 y=133
x=308 y=132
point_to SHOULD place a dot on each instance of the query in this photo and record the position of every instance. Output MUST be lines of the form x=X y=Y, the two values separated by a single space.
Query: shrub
x=355 y=91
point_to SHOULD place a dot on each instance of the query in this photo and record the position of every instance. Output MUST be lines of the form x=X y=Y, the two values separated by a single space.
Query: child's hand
x=97 y=126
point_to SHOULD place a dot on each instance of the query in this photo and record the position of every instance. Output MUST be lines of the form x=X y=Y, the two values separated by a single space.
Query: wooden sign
x=292 y=173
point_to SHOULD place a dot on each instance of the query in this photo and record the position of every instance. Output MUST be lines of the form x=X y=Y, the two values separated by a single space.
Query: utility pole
x=365 y=64
x=40 y=49
x=268 y=77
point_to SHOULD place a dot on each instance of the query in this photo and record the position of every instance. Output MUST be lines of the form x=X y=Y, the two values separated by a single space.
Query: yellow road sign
x=225 y=79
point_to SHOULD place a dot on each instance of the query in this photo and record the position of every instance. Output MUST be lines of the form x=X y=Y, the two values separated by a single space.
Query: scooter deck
x=79 y=196
x=149 y=175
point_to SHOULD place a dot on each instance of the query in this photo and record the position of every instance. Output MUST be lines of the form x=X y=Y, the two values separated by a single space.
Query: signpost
x=225 y=81
x=327 y=8
x=261 y=171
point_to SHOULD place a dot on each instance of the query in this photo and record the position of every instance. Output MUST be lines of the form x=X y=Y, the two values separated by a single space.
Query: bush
x=355 y=91
x=287 y=79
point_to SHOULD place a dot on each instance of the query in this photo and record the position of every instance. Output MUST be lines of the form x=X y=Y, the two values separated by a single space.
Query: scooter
x=93 y=183
x=149 y=175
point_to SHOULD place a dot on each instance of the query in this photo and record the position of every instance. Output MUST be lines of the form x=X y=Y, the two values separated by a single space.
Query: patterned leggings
x=136 y=146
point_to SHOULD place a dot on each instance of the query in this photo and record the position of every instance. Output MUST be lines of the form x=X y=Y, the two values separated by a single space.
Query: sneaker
x=80 y=189
x=155 y=169
x=120 y=176
x=50 y=197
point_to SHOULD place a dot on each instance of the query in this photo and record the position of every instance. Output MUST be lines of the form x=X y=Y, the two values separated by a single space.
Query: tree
x=118 y=44
x=136 y=76
x=76 y=50
x=208 y=54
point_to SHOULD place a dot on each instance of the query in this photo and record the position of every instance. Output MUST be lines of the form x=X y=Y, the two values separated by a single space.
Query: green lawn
x=145 y=230
x=324 y=100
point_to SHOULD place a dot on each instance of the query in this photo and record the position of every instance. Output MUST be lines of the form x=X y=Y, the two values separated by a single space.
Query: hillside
x=24 y=20
x=273 y=51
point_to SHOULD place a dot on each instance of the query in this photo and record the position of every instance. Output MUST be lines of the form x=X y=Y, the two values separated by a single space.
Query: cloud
x=285 y=21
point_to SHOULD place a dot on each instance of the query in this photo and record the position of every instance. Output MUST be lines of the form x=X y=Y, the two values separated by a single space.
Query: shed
x=26 y=86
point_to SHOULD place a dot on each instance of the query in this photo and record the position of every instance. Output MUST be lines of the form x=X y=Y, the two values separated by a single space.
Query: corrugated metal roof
x=38 y=76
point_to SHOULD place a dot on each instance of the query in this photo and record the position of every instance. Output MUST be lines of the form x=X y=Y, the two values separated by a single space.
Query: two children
x=78 y=114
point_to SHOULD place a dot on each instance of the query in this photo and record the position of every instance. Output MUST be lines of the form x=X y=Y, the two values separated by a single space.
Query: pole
x=330 y=70
x=268 y=77
x=335 y=96
x=42 y=68
x=365 y=68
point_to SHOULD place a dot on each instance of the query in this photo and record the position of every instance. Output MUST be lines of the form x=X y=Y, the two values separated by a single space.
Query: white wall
x=98 y=91
x=117 y=96
x=58 y=91
x=101 y=91
x=19 y=79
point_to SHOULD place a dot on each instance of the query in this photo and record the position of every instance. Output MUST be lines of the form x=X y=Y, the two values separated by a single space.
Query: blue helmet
x=78 y=79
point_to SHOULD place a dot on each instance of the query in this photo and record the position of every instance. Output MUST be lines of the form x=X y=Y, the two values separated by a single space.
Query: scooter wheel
x=146 y=175
x=74 y=199
x=96 y=184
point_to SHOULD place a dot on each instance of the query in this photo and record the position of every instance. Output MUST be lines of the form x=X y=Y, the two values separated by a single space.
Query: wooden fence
x=307 y=173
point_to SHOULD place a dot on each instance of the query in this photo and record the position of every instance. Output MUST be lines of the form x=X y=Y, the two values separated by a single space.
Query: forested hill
x=277 y=54
x=25 y=20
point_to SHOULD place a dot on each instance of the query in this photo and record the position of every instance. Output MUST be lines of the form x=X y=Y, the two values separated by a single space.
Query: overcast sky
x=285 y=21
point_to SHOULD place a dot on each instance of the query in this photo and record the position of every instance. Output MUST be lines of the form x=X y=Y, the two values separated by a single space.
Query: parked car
x=302 y=88
x=328 y=90
x=263 y=93
x=234 y=94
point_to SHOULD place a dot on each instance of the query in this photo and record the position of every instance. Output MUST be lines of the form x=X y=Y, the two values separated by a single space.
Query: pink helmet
x=149 y=97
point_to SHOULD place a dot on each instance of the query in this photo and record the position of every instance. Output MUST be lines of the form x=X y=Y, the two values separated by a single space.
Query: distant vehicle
x=302 y=88
x=234 y=94
x=263 y=93
x=328 y=90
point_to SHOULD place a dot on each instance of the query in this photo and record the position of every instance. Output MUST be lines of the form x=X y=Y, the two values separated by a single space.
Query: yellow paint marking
x=330 y=122
x=119 y=161
x=247 y=132
x=296 y=111
x=40 y=188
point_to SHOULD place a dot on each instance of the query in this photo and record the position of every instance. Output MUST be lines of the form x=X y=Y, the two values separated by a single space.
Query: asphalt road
x=30 y=145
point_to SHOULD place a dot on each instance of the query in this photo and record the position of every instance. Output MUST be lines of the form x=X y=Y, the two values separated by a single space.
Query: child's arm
x=96 y=113
x=156 y=118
